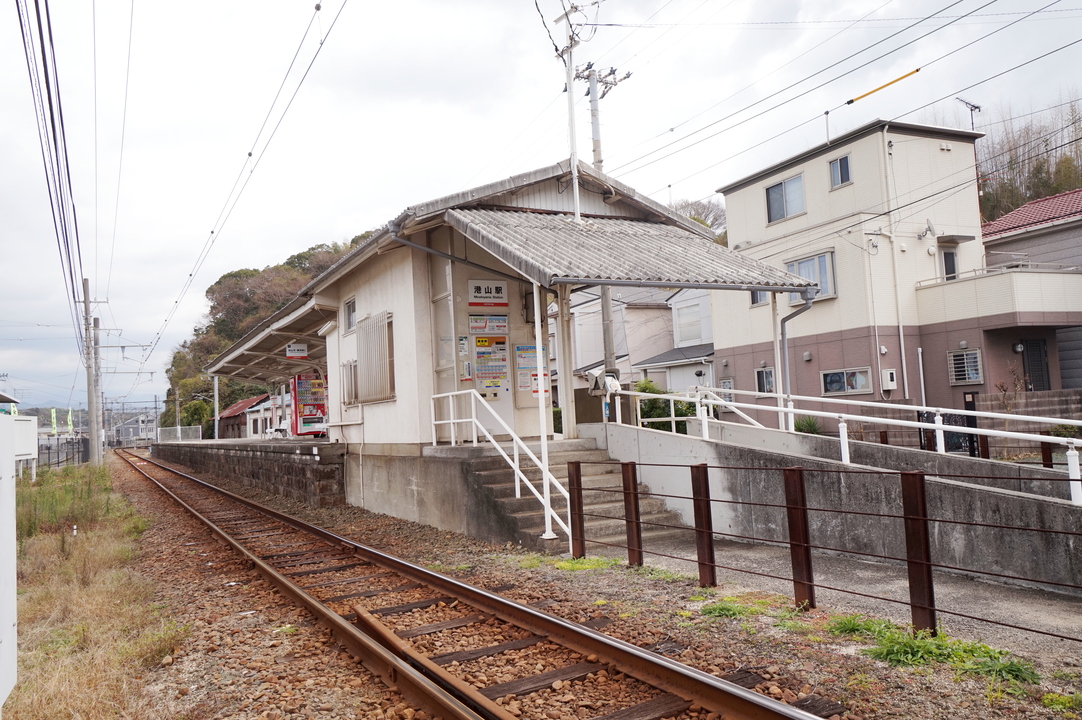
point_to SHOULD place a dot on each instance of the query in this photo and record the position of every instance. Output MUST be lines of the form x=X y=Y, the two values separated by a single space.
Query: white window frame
x=759 y=297
x=698 y=339
x=349 y=316
x=349 y=383
x=970 y=359
x=766 y=384
x=787 y=211
x=846 y=381
x=375 y=358
x=837 y=163
x=821 y=260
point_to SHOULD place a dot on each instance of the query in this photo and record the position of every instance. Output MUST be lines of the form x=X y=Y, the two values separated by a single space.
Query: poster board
x=530 y=384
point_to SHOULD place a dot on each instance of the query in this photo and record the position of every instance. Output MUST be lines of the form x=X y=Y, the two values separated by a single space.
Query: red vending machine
x=309 y=404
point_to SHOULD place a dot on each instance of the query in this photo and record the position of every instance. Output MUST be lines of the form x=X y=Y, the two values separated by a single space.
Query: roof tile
x=1036 y=212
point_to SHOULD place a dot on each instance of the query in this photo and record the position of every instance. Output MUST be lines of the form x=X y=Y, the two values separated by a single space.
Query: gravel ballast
x=251 y=654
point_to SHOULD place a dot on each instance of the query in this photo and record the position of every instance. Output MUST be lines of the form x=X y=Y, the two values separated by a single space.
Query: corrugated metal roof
x=552 y=249
x=240 y=406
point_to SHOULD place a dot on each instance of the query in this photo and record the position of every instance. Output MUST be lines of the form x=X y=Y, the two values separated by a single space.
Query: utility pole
x=99 y=419
x=609 y=80
x=572 y=138
x=91 y=378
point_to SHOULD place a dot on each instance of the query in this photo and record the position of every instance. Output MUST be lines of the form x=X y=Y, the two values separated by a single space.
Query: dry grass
x=88 y=625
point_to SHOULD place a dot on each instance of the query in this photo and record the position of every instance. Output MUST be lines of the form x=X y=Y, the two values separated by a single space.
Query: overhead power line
x=38 y=47
x=251 y=162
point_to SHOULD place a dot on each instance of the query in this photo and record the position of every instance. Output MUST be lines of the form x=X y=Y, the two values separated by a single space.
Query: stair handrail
x=520 y=447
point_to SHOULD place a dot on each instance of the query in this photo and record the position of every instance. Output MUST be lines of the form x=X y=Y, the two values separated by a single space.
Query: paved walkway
x=1031 y=608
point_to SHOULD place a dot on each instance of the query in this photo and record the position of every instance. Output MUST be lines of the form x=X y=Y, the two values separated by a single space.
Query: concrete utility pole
x=610 y=81
x=572 y=138
x=91 y=378
x=96 y=454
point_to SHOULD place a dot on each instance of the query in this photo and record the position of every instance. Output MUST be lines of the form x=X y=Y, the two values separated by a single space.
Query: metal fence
x=916 y=530
x=188 y=433
x=60 y=451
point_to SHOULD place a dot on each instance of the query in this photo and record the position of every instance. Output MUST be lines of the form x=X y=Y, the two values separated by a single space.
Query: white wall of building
x=8 y=603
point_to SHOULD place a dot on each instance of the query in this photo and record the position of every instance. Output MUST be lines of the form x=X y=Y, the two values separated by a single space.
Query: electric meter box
x=889 y=380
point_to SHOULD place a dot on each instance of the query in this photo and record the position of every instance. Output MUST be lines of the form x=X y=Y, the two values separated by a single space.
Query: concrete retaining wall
x=400 y=481
x=999 y=474
x=829 y=484
x=311 y=472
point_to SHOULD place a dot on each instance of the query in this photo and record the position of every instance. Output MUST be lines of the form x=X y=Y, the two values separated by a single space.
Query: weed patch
x=594 y=563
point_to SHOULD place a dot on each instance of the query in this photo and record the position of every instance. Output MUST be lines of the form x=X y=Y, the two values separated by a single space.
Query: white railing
x=520 y=453
x=708 y=398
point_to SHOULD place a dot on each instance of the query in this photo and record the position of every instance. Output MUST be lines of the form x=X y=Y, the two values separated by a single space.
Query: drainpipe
x=894 y=261
x=809 y=295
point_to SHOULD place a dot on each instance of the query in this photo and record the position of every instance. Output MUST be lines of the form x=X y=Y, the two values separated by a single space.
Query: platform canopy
x=636 y=242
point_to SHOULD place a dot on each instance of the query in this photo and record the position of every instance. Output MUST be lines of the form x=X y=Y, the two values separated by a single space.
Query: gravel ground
x=251 y=655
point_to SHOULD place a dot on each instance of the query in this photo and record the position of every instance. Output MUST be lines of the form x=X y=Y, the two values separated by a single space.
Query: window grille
x=375 y=358
x=964 y=367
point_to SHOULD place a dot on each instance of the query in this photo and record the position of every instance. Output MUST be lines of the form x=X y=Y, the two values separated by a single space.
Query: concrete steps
x=603 y=502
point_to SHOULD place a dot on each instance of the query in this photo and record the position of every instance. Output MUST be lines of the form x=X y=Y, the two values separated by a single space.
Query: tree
x=710 y=213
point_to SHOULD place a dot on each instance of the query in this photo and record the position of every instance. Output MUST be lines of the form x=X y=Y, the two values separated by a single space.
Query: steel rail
x=732 y=700
x=414 y=686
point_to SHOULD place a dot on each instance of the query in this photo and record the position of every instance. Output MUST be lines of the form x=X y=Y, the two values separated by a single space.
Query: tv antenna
x=973 y=107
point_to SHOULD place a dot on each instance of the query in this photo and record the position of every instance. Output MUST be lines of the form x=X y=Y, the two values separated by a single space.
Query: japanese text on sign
x=488 y=293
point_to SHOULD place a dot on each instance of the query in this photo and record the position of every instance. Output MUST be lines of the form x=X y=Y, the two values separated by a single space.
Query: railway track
x=451 y=649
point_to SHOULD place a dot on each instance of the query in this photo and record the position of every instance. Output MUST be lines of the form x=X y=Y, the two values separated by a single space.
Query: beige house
x=885 y=220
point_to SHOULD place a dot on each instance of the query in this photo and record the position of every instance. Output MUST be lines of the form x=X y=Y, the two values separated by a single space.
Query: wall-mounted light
x=762 y=363
x=962 y=344
x=724 y=362
x=807 y=356
x=882 y=349
x=1018 y=348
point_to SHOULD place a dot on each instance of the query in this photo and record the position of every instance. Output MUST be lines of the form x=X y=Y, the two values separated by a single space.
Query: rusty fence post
x=1046 y=451
x=796 y=511
x=982 y=446
x=929 y=440
x=704 y=525
x=578 y=522
x=918 y=552
x=631 y=514
x=883 y=439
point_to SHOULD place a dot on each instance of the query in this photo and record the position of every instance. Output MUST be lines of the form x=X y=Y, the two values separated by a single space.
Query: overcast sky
x=415 y=99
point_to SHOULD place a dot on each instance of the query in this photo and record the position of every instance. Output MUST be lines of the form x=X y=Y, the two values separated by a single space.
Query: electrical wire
x=48 y=110
x=788 y=87
x=233 y=199
x=120 y=166
x=895 y=118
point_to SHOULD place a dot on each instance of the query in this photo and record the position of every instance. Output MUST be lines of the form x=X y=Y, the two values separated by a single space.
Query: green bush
x=658 y=408
x=1066 y=431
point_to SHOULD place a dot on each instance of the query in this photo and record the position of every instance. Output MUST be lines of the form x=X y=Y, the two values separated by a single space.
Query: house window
x=819 y=269
x=375 y=358
x=785 y=199
x=948 y=256
x=759 y=297
x=726 y=384
x=349 y=383
x=689 y=328
x=839 y=172
x=349 y=315
x=764 y=380
x=851 y=381
x=964 y=367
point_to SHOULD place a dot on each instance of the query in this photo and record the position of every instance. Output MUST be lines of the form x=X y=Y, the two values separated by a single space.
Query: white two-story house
x=885 y=219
